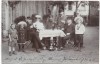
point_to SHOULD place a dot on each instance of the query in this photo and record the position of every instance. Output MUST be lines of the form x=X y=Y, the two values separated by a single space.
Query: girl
x=79 y=31
x=12 y=32
x=22 y=35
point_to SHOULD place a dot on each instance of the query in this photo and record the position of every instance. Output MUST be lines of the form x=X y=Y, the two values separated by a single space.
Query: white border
x=37 y=0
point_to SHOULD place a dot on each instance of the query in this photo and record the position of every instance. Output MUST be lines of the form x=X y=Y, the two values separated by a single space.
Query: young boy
x=79 y=31
x=12 y=39
x=69 y=30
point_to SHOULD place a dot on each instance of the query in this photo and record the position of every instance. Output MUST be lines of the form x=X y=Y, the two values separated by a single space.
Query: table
x=51 y=33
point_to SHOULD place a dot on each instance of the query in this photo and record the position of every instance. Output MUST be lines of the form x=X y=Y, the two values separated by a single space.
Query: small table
x=51 y=33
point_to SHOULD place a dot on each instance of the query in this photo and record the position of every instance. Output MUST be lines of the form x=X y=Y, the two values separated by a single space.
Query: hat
x=38 y=16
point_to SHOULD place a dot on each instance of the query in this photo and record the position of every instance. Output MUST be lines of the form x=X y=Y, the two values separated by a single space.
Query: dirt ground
x=88 y=55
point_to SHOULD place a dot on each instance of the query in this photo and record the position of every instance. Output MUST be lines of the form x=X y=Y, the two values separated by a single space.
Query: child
x=21 y=35
x=12 y=39
x=69 y=30
x=79 y=31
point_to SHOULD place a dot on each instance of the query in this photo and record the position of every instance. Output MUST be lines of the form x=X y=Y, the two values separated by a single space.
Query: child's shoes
x=14 y=52
x=10 y=53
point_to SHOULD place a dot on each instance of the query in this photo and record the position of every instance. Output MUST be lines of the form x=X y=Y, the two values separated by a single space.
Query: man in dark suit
x=34 y=37
x=35 y=28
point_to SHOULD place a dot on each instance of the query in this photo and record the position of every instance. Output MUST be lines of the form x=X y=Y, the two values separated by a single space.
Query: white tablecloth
x=51 y=33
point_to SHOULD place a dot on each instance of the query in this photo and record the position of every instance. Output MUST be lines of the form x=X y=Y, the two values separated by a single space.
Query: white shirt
x=79 y=29
x=38 y=25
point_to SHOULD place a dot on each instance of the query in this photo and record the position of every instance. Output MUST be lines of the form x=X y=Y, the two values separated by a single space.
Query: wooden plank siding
x=27 y=8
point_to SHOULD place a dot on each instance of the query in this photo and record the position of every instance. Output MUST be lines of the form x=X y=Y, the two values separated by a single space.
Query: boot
x=23 y=48
x=10 y=54
x=14 y=52
x=38 y=51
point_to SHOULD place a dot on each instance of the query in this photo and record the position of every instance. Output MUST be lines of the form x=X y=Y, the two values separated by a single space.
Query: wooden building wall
x=27 y=8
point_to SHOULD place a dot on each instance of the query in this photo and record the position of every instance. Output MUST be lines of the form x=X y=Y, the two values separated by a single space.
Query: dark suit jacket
x=69 y=28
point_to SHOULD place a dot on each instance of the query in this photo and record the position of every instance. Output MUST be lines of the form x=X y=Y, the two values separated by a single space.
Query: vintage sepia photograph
x=49 y=32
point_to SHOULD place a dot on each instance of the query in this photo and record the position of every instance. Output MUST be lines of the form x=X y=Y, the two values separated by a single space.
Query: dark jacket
x=69 y=28
x=35 y=38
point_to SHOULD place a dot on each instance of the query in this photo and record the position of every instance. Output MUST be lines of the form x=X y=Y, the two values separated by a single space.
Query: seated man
x=35 y=39
x=35 y=28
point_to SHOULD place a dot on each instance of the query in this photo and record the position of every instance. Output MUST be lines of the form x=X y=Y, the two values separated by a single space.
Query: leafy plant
x=13 y=3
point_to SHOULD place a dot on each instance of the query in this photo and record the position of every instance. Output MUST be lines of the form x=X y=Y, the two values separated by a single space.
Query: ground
x=88 y=55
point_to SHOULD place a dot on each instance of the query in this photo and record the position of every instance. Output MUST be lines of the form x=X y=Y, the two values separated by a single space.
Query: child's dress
x=21 y=35
x=13 y=34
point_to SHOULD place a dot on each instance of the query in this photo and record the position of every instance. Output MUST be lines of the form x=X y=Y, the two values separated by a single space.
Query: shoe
x=44 y=48
x=19 y=50
x=59 y=49
x=78 y=49
x=10 y=53
x=38 y=51
x=23 y=50
x=82 y=47
x=14 y=52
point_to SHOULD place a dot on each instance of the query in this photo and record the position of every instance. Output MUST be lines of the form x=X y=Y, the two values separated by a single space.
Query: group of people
x=28 y=31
